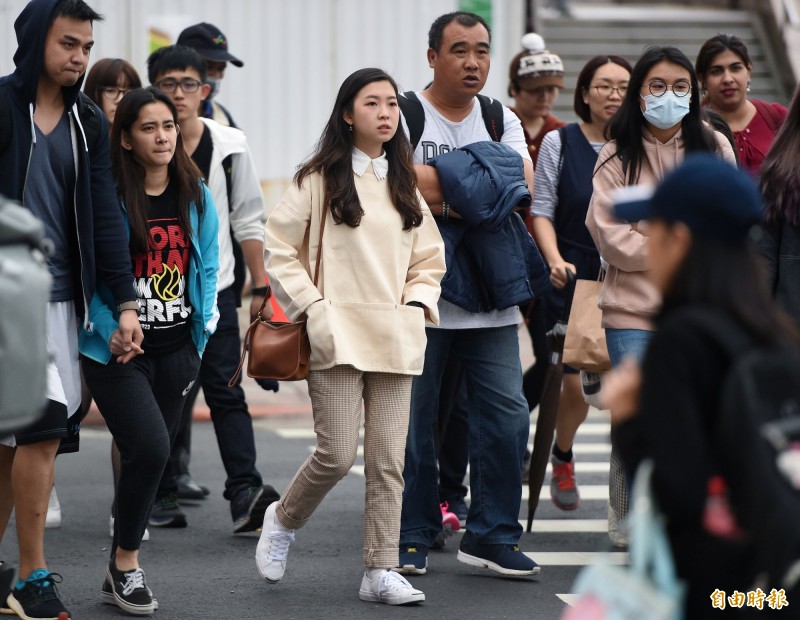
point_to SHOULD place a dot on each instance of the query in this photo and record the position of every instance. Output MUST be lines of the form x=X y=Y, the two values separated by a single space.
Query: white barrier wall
x=296 y=53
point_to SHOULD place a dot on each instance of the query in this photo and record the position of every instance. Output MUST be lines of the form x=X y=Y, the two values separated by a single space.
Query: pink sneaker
x=449 y=520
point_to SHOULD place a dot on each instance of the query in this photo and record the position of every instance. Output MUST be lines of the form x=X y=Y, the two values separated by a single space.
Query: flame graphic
x=167 y=285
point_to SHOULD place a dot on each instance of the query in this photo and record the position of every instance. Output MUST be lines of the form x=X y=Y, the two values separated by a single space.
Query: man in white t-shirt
x=485 y=342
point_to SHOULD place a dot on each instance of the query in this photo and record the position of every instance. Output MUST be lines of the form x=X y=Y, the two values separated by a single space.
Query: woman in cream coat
x=382 y=261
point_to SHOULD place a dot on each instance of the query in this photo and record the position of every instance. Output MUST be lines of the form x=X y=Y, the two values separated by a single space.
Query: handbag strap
x=258 y=319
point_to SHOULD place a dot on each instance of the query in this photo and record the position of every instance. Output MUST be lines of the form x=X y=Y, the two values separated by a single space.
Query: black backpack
x=414 y=113
x=757 y=445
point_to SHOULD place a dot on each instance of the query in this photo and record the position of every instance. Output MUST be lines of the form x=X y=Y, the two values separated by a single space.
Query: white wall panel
x=296 y=53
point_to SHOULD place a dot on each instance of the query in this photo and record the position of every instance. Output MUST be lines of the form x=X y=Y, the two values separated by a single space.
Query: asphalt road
x=204 y=571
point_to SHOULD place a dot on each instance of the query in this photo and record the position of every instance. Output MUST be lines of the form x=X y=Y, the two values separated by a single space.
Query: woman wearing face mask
x=724 y=69
x=657 y=124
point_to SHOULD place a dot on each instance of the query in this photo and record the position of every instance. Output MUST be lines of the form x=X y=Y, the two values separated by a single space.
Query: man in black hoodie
x=54 y=159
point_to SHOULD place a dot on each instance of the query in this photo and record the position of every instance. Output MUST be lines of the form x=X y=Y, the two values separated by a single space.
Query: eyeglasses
x=188 y=85
x=113 y=92
x=605 y=90
x=681 y=88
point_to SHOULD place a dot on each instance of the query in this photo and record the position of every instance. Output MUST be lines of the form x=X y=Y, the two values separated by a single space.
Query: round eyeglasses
x=681 y=88
x=605 y=90
x=114 y=92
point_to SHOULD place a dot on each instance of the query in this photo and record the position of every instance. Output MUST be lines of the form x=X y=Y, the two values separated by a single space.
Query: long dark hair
x=627 y=124
x=106 y=72
x=728 y=276
x=333 y=154
x=585 y=78
x=130 y=174
x=780 y=181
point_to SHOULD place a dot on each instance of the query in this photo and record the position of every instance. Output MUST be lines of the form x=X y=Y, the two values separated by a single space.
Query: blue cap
x=712 y=197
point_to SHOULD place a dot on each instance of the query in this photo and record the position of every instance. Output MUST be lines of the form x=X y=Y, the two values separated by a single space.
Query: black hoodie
x=100 y=243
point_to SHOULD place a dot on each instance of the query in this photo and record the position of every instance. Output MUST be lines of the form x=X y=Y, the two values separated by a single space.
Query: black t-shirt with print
x=160 y=277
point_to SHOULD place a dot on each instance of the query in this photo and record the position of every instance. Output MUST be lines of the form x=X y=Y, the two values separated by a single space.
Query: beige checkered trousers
x=336 y=395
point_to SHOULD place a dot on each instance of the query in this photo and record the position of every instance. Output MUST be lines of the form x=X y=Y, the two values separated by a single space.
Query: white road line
x=586 y=491
x=569 y=599
x=577 y=558
x=559 y=526
x=587 y=428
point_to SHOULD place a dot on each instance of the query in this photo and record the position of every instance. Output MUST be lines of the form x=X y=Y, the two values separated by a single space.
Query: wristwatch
x=128 y=305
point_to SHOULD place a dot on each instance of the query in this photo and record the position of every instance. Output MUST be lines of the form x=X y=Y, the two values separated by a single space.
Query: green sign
x=479 y=7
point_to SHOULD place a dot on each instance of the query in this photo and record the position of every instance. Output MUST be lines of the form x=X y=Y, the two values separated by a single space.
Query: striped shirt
x=548 y=171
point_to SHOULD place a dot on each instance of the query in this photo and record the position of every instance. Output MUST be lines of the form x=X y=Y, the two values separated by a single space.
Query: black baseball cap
x=209 y=42
x=712 y=197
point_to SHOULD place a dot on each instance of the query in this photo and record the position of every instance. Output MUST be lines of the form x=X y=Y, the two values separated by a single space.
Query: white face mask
x=215 y=84
x=667 y=110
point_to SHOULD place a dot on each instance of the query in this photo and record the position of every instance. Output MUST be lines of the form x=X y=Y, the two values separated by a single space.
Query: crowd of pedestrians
x=462 y=219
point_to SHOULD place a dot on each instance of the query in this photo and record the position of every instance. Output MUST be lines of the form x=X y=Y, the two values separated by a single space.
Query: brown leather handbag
x=278 y=351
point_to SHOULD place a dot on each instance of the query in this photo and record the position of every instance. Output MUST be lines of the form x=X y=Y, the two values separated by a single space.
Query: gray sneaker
x=563 y=490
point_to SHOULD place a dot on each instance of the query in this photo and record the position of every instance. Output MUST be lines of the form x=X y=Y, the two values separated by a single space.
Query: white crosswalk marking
x=577 y=558
x=558 y=526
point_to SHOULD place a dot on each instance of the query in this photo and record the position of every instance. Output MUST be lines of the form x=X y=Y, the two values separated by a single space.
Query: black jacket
x=779 y=244
x=100 y=244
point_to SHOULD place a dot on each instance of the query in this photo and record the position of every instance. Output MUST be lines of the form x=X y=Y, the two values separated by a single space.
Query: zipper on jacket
x=75 y=118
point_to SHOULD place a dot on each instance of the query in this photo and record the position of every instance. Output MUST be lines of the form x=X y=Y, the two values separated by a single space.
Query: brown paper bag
x=585 y=342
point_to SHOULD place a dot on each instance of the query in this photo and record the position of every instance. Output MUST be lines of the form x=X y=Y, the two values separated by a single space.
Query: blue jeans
x=627 y=342
x=498 y=435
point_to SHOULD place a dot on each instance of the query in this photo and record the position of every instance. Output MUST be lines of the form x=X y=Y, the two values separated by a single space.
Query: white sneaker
x=53 y=518
x=273 y=547
x=390 y=588
x=111 y=529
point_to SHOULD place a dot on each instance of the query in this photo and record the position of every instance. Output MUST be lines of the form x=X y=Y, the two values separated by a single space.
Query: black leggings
x=141 y=402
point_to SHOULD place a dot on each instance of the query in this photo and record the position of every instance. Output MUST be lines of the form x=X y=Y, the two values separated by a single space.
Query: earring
x=350 y=128
x=748 y=86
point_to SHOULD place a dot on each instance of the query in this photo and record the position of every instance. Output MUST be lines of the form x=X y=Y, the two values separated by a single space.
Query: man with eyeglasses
x=209 y=41
x=180 y=72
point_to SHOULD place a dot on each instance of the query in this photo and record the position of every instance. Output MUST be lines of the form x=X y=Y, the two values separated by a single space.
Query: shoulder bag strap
x=258 y=319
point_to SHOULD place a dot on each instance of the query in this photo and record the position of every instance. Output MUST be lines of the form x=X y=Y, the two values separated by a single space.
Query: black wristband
x=261 y=291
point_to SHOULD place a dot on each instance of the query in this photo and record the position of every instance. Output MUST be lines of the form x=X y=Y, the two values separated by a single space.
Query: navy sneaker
x=413 y=560
x=503 y=559
x=167 y=513
x=249 y=505
x=38 y=597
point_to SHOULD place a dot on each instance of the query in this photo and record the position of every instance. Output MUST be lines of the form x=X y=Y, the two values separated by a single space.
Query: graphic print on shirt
x=160 y=276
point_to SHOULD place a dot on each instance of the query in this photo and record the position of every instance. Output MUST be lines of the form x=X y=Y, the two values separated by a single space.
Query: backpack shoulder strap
x=769 y=114
x=227 y=168
x=492 y=113
x=412 y=110
x=562 y=135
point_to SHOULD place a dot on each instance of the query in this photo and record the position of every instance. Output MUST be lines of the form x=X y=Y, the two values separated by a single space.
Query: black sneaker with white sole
x=249 y=505
x=129 y=590
x=6 y=581
x=107 y=594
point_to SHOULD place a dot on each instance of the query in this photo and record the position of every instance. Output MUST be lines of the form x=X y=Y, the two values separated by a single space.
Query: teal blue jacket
x=201 y=287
